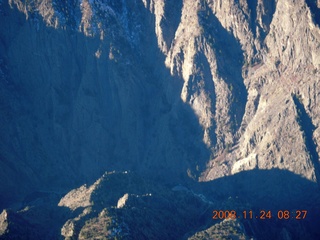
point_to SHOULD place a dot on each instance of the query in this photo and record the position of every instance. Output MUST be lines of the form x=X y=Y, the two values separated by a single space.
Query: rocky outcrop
x=225 y=229
x=141 y=211
x=13 y=226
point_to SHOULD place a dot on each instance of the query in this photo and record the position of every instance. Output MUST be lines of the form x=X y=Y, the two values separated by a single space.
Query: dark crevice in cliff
x=307 y=127
x=70 y=11
x=163 y=106
x=205 y=77
x=229 y=56
x=269 y=10
x=171 y=21
x=252 y=5
x=261 y=15
x=315 y=11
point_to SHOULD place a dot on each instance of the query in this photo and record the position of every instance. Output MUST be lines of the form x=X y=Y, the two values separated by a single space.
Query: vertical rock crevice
x=307 y=127
x=314 y=6
x=252 y=5
x=229 y=60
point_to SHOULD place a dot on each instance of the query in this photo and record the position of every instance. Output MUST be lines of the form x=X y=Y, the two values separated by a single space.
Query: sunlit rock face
x=178 y=92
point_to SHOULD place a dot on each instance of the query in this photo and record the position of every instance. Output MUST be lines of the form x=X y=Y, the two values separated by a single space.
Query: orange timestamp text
x=262 y=214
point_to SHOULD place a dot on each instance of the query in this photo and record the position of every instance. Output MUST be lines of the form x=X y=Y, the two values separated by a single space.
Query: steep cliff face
x=242 y=62
x=75 y=104
x=172 y=90
x=289 y=68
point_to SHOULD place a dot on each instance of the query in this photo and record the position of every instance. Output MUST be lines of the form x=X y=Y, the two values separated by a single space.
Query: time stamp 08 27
x=261 y=215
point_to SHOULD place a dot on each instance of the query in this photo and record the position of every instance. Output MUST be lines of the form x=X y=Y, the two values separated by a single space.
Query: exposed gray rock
x=3 y=222
x=226 y=229
x=122 y=201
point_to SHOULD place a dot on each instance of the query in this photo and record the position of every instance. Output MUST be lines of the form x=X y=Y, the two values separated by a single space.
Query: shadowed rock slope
x=218 y=96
